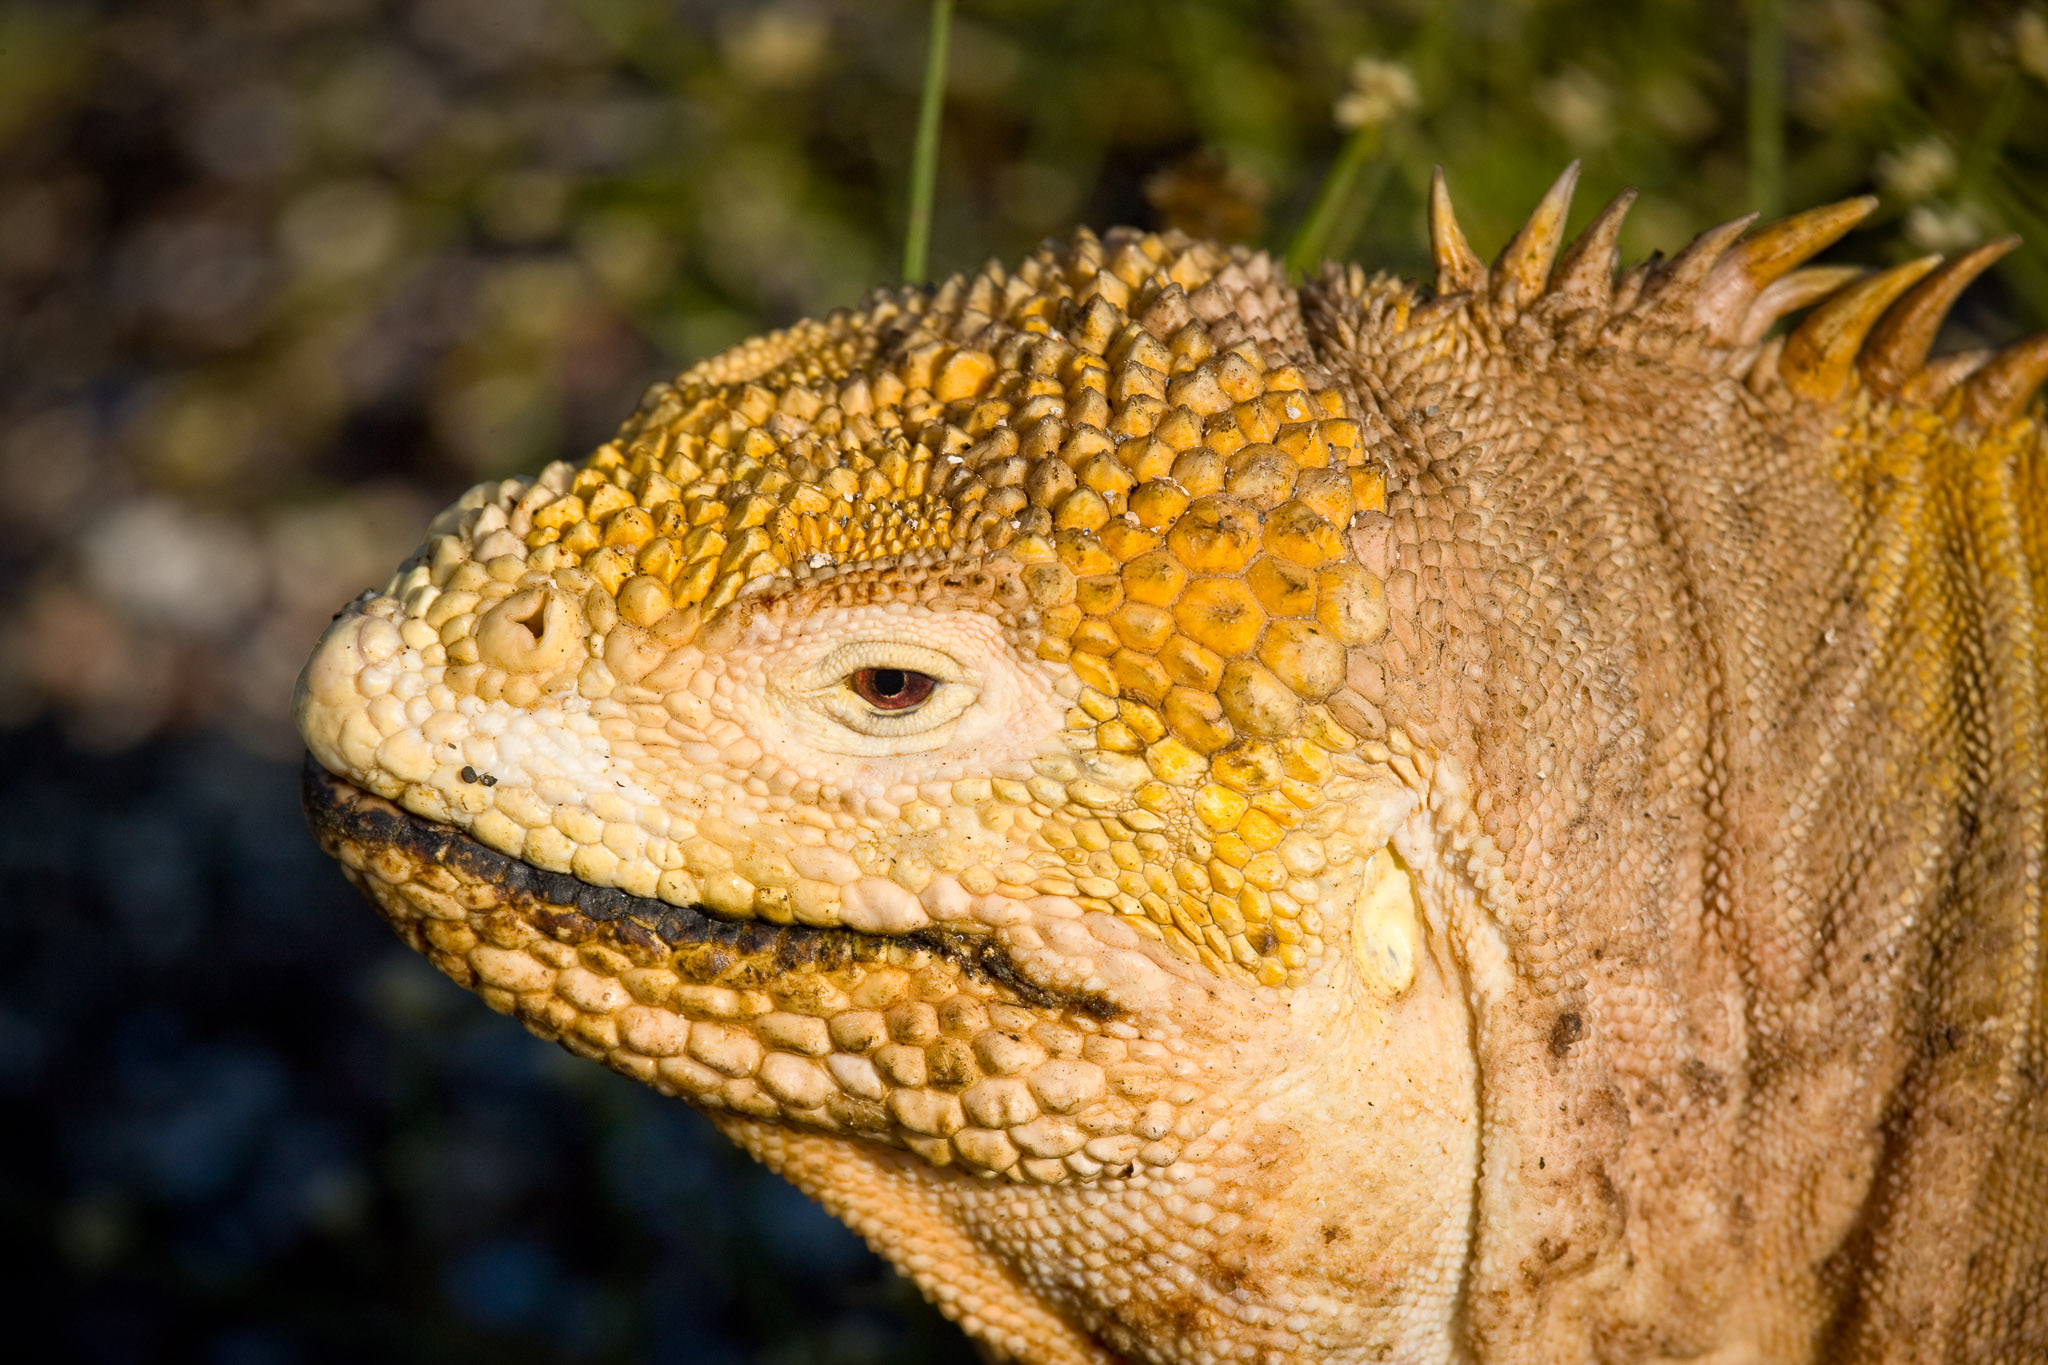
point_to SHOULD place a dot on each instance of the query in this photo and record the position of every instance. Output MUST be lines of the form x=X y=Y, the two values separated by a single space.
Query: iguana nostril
x=528 y=632
x=535 y=620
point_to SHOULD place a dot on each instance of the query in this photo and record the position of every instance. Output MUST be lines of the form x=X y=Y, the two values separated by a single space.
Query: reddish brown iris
x=892 y=689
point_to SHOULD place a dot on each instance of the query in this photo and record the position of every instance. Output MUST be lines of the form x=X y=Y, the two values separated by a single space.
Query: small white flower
x=1933 y=227
x=1378 y=90
x=1916 y=171
x=2030 y=44
x=1579 y=105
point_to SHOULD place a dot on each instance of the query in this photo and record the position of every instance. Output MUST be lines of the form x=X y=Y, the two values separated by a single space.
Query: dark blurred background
x=279 y=277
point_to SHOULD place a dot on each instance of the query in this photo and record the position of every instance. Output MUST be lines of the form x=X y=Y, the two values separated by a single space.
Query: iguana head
x=976 y=748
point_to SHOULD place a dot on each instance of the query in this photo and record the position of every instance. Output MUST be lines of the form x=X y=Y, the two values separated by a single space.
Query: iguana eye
x=891 y=689
x=895 y=694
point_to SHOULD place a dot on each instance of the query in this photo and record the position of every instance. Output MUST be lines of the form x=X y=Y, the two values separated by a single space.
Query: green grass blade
x=1767 y=106
x=1312 y=242
x=924 y=159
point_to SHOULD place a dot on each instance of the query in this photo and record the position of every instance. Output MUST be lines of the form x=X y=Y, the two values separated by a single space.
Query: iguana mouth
x=931 y=1040
x=395 y=847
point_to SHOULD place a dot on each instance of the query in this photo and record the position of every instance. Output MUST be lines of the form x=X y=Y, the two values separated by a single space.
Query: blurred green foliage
x=584 y=191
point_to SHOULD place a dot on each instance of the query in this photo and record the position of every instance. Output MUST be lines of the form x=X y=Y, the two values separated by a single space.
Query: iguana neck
x=1737 y=720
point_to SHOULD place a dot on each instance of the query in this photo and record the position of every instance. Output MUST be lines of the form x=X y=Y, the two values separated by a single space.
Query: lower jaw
x=441 y=876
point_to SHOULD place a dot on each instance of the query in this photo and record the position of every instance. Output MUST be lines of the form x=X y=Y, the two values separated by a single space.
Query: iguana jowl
x=1218 y=822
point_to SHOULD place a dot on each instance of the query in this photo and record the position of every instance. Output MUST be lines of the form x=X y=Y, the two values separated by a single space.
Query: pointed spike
x=1586 y=271
x=1899 y=344
x=1457 y=269
x=1523 y=269
x=1792 y=241
x=1676 y=288
x=1763 y=370
x=1939 y=376
x=1792 y=292
x=1821 y=352
x=1997 y=394
x=1635 y=282
x=1754 y=265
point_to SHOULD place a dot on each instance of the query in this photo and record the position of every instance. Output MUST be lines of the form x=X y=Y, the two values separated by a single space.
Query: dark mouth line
x=339 y=810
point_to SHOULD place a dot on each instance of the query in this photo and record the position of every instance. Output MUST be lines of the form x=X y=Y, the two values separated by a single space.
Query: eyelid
x=825 y=687
x=849 y=658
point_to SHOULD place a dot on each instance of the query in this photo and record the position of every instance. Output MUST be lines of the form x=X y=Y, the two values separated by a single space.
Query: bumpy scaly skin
x=1504 y=825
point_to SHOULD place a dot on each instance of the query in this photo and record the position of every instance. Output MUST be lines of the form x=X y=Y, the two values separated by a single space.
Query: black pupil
x=892 y=689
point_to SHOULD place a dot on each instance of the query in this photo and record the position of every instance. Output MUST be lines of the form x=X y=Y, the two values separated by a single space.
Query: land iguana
x=1214 y=821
